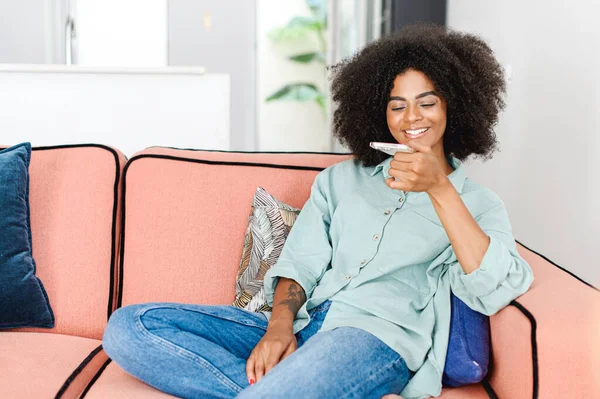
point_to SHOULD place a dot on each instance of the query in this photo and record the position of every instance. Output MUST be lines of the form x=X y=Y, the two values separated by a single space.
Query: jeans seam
x=182 y=352
x=209 y=314
x=355 y=387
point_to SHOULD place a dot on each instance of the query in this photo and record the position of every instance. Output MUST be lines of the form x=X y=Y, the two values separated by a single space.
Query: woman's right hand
x=278 y=343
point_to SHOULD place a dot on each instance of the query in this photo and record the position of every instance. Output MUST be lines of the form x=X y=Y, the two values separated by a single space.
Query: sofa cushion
x=23 y=299
x=545 y=344
x=35 y=365
x=269 y=225
x=199 y=203
x=74 y=208
x=468 y=346
x=473 y=391
x=115 y=383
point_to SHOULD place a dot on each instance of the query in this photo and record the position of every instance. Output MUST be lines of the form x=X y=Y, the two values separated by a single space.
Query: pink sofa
x=168 y=225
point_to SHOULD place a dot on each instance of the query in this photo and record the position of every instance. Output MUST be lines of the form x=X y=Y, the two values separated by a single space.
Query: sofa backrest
x=186 y=212
x=75 y=213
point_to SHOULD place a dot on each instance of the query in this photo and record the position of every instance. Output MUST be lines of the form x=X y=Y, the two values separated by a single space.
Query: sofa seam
x=95 y=378
x=488 y=388
x=559 y=267
x=225 y=163
x=77 y=371
x=487 y=385
x=534 y=351
x=113 y=259
x=250 y=152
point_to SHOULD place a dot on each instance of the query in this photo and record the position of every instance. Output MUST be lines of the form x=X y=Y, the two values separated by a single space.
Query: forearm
x=289 y=298
x=468 y=240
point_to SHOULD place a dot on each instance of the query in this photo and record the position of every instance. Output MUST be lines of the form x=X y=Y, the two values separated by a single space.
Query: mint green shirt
x=384 y=259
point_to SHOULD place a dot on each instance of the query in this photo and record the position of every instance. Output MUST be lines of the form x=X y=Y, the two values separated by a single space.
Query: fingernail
x=251 y=381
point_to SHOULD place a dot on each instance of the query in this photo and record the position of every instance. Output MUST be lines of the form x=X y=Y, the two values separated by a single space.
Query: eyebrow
x=427 y=93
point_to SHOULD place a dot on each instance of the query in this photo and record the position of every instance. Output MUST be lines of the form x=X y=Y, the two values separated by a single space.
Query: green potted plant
x=298 y=28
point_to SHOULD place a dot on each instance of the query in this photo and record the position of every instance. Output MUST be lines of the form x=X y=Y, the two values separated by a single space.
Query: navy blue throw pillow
x=469 y=346
x=23 y=299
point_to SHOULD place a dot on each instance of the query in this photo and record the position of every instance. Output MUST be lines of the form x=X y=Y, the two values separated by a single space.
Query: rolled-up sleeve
x=307 y=250
x=503 y=274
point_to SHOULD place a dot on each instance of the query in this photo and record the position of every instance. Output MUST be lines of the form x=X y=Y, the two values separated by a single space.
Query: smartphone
x=391 y=148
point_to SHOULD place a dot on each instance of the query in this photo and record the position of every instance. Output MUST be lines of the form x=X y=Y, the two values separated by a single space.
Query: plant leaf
x=318 y=8
x=307 y=22
x=296 y=92
x=296 y=28
x=308 y=57
x=322 y=101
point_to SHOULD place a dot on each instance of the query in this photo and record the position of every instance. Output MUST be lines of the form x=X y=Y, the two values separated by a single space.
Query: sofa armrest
x=546 y=344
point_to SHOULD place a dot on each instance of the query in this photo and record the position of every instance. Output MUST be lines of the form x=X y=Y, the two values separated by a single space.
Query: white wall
x=22 y=29
x=282 y=125
x=121 y=32
x=220 y=35
x=547 y=172
x=127 y=109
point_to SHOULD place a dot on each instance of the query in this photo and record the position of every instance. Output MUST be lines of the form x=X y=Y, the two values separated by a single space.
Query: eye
x=428 y=105
x=398 y=108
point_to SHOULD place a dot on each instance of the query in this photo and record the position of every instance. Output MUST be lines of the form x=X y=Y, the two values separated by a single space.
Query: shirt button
x=376 y=237
x=386 y=212
x=347 y=277
x=401 y=199
x=363 y=262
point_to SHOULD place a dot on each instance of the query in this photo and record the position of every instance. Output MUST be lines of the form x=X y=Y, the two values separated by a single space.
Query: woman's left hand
x=416 y=172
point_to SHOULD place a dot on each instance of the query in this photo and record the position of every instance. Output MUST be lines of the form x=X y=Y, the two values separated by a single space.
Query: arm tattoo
x=296 y=297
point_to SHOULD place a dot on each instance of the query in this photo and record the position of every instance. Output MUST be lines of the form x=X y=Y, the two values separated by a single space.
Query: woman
x=361 y=291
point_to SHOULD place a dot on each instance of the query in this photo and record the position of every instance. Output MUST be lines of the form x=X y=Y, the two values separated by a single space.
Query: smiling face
x=416 y=111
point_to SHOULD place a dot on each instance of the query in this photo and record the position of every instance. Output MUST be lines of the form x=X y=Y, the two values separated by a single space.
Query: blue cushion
x=469 y=346
x=23 y=299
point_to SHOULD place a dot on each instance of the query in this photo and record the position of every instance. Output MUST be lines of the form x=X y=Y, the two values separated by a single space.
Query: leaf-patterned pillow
x=268 y=227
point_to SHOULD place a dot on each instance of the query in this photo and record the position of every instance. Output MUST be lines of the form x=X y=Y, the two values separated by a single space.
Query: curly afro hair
x=462 y=68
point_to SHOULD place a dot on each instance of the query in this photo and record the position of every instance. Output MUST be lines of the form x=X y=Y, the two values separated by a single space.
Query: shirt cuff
x=492 y=271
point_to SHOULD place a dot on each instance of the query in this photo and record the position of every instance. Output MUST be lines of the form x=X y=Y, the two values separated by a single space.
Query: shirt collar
x=457 y=177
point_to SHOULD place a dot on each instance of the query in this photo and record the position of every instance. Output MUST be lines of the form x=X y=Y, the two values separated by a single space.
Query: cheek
x=392 y=119
x=439 y=118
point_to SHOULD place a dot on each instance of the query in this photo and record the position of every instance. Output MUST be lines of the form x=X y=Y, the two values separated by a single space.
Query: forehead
x=411 y=82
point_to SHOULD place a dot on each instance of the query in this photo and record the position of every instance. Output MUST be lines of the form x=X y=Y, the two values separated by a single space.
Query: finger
x=290 y=349
x=404 y=157
x=273 y=358
x=259 y=368
x=250 y=364
x=402 y=175
x=399 y=184
x=420 y=147
x=400 y=165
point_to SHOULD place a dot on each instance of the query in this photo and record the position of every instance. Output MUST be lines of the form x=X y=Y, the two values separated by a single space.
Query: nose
x=412 y=114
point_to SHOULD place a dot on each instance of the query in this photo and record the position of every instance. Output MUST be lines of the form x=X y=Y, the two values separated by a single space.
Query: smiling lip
x=410 y=136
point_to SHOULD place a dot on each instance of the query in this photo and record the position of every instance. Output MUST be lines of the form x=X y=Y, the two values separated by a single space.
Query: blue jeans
x=200 y=351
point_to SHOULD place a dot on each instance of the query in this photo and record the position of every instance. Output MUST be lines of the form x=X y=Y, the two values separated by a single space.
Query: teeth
x=415 y=132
